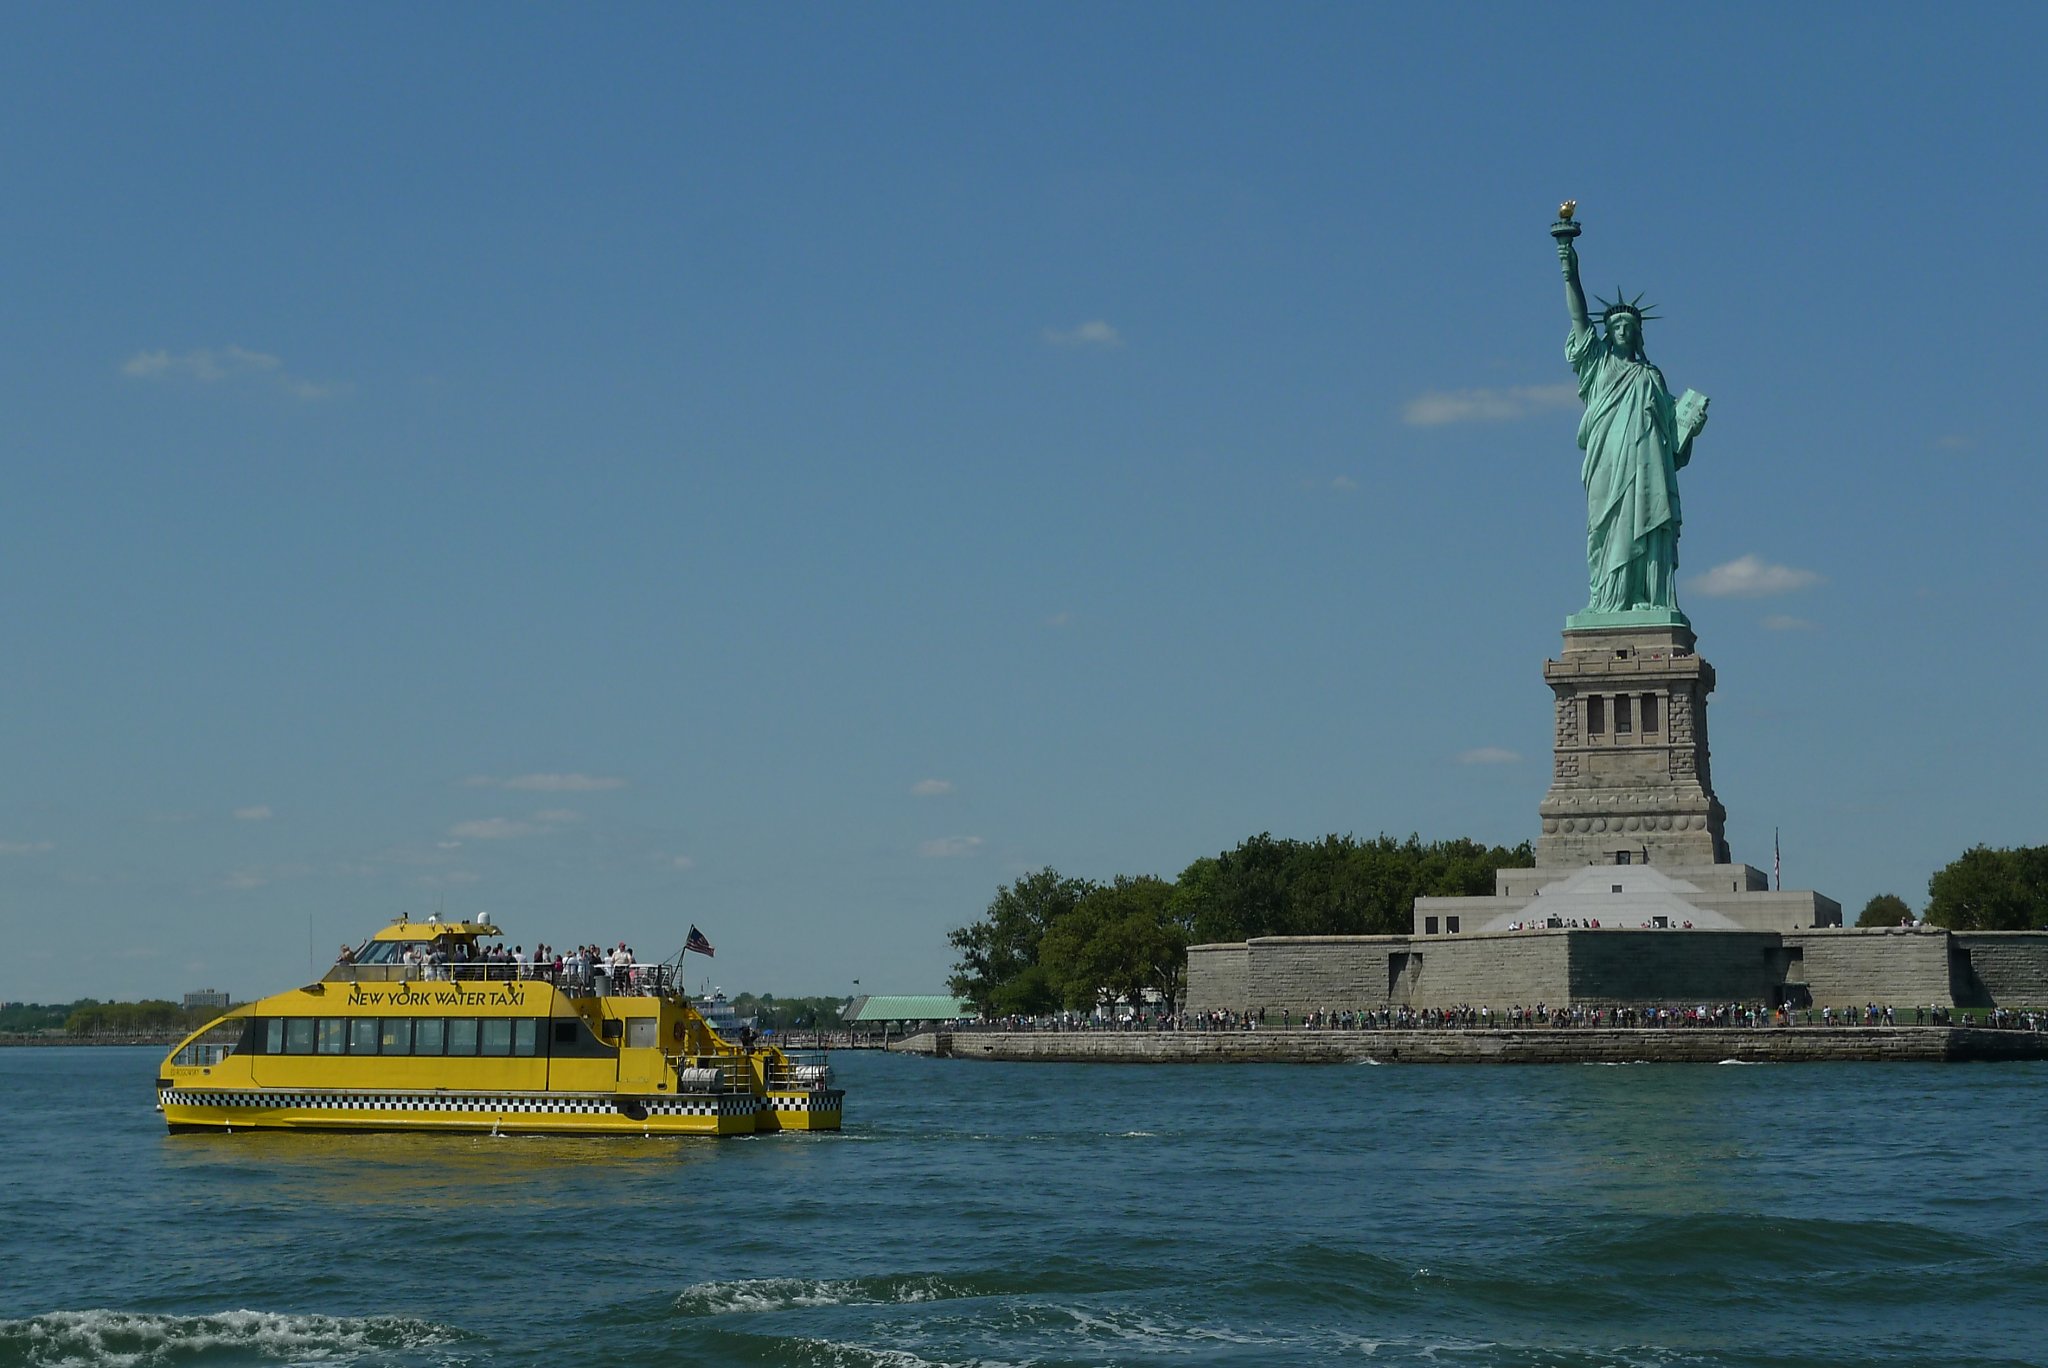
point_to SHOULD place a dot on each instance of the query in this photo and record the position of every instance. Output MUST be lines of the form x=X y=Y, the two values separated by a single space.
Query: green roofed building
x=880 y=1010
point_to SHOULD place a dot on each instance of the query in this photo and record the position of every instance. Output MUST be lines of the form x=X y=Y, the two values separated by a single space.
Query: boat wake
x=134 y=1339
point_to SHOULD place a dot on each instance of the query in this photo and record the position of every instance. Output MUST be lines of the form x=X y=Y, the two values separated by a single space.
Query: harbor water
x=1064 y=1215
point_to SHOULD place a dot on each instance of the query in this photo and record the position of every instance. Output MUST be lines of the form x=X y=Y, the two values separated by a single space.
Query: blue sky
x=795 y=472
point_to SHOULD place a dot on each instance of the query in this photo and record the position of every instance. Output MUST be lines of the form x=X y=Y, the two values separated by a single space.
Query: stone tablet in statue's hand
x=1692 y=414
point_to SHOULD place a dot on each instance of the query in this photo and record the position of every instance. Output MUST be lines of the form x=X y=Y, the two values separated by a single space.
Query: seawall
x=1536 y=1045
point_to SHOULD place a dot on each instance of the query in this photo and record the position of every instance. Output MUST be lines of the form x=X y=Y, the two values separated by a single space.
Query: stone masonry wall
x=1513 y=969
x=1216 y=977
x=1849 y=968
x=1340 y=973
x=1307 y=973
x=2004 y=969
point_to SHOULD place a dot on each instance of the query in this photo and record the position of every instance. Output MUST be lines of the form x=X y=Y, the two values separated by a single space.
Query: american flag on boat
x=698 y=943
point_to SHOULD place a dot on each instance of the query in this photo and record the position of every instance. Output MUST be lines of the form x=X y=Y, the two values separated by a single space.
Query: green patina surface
x=1636 y=437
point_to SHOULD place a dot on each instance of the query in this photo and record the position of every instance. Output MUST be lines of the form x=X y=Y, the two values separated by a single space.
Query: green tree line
x=1985 y=888
x=771 y=1013
x=1050 y=941
x=90 y=1016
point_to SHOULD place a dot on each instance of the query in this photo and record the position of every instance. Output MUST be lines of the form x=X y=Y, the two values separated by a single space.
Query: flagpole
x=1777 y=860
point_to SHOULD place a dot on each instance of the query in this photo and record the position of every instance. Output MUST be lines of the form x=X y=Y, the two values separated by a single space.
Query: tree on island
x=1049 y=940
x=1886 y=909
x=1121 y=941
x=998 y=970
x=1987 y=889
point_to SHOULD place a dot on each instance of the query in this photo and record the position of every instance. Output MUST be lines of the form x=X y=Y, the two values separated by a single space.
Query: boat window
x=333 y=1035
x=565 y=1033
x=378 y=952
x=462 y=1035
x=273 y=1035
x=396 y=1036
x=427 y=1034
x=298 y=1035
x=497 y=1035
x=362 y=1036
x=525 y=1036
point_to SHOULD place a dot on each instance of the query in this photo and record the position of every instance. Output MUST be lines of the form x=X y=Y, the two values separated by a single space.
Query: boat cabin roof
x=433 y=929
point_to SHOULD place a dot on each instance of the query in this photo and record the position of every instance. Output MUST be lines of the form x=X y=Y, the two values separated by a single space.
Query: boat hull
x=331 y=1109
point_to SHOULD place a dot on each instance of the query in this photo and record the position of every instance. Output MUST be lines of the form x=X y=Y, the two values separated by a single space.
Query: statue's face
x=1624 y=332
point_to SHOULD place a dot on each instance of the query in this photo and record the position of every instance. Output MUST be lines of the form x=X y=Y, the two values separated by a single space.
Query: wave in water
x=755 y=1295
x=135 y=1339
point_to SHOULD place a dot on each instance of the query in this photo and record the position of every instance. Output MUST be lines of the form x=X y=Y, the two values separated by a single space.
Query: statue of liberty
x=1636 y=438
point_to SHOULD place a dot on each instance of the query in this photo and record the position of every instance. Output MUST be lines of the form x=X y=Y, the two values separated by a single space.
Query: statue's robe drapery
x=1629 y=433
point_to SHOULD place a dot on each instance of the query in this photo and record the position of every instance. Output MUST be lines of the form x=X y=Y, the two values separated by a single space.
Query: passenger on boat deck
x=347 y=956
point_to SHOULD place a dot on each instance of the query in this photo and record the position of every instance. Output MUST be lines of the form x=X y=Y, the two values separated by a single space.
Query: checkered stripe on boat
x=730 y=1104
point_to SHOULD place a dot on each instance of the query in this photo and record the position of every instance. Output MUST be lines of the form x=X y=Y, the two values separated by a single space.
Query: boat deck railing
x=631 y=980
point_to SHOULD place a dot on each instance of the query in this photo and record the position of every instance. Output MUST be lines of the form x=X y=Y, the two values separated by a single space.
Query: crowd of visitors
x=1751 y=1016
x=585 y=969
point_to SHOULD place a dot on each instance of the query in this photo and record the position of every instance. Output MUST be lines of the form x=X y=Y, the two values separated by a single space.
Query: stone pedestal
x=1630 y=782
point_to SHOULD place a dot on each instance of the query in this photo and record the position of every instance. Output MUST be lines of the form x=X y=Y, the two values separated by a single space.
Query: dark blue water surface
x=1058 y=1214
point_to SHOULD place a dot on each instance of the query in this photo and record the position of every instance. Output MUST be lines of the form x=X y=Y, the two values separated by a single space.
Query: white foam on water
x=135 y=1339
x=1138 y=1328
x=1370 y=1060
x=1741 y=1061
x=755 y=1295
x=1135 y=1135
x=827 y=1354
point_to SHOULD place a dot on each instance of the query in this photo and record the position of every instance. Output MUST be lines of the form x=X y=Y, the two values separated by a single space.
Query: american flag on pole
x=698 y=943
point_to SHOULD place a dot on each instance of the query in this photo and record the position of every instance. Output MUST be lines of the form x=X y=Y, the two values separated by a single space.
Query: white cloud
x=1782 y=622
x=1488 y=755
x=681 y=862
x=1094 y=333
x=213 y=365
x=259 y=813
x=26 y=847
x=1752 y=577
x=1344 y=484
x=494 y=829
x=949 y=847
x=548 y=783
x=1059 y=619
x=931 y=788
x=510 y=828
x=1438 y=407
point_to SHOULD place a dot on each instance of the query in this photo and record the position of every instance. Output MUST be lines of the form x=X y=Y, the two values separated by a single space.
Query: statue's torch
x=1565 y=229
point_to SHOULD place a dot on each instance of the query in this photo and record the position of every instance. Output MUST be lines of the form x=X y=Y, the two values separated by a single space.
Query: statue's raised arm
x=1564 y=230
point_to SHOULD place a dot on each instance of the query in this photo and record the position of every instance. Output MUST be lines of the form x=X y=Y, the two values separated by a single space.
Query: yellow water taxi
x=416 y=1029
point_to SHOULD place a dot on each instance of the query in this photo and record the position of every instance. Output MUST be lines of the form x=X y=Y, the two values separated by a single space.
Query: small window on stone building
x=1451 y=925
x=1429 y=926
x=1649 y=713
x=1616 y=888
x=1623 y=856
x=1621 y=727
x=1596 y=715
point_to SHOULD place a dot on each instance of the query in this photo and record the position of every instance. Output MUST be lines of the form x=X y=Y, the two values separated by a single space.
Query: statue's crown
x=1624 y=305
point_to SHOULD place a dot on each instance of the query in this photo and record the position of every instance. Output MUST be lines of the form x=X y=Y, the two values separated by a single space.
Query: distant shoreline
x=25 y=1041
x=1538 y=1045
